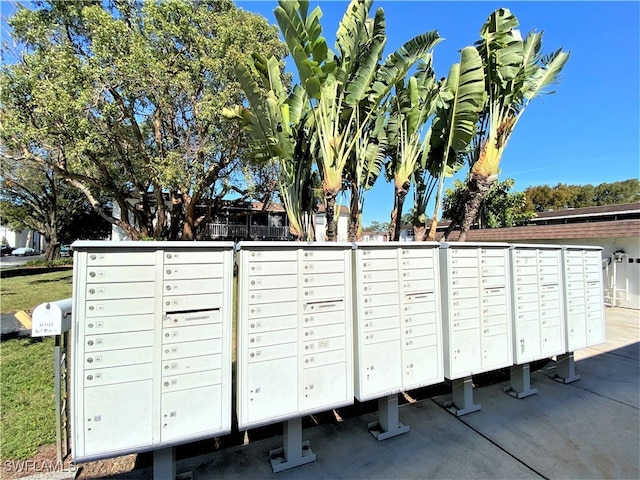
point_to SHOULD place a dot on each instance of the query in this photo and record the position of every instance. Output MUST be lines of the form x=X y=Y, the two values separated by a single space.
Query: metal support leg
x=462 y=403
x=520 y=382
x=164 y=463
x=295 y=452
x=566 y=369
x=387 y=425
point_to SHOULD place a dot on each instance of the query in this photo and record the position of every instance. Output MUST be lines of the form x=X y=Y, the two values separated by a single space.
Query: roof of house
x=620 y=211
x=606 y=229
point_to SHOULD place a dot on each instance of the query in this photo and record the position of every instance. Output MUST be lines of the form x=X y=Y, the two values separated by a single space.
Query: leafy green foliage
x=500 y=207
x=561 y=196
x=125 y=99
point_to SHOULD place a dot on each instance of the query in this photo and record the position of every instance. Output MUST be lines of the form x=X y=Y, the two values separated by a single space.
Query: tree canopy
x=124 y=101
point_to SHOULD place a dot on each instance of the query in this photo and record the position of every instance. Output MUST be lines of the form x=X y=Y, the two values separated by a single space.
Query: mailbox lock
x=92 y=257
x=89 y=377
x=89 y=360
x=92 y=291
x=169 y=255
x=168 y=287
x=253 y=325
x=166 y=350
x=90 y=343
x=166 y=384
x=90 y=325
x=253 y=340
x=92 y=274
x=167 y=335
x=168 y=271
x=252 y=354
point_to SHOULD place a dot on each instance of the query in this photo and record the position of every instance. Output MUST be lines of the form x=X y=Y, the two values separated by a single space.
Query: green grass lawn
x=29 y=291
x=27 y=397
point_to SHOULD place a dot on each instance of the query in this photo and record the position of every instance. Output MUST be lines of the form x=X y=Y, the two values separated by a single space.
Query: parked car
x=65 y=251
x=5 y=250
x=25 y=251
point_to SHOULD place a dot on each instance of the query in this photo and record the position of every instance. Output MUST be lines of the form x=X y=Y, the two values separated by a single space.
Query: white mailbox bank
x=152 y=345
x=295 y=351
x=584 y=305
x=538 y=310
x=477 y=323
x=398 y=325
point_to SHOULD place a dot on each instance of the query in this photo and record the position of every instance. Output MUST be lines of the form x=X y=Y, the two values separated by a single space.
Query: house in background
x=249 y=221
x=615 y=228
x=22 y=238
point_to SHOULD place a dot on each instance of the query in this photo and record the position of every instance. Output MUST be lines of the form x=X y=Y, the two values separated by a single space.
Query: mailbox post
x=54 y=318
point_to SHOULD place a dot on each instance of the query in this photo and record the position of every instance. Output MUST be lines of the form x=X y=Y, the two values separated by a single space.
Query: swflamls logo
x=38 y=466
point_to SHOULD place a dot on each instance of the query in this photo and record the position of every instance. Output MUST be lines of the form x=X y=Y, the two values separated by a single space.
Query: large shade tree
x=126 y=98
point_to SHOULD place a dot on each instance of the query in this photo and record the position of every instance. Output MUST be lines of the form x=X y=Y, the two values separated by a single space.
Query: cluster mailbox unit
x=584 y=305
x=295 y=342
x=477 y=318
x=539 y=326
x=398 y=328
x=152 y=329
x=317 y=325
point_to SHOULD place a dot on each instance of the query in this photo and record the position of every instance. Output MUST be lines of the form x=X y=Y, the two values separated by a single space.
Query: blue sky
x=586 y=132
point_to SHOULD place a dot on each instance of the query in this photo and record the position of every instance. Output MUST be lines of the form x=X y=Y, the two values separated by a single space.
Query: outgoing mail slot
x=195 y=256
x=325 y=358
x=118 y=358
x=380 y=336
x=203 y=317
x=191 y=364
x=272 y=338
x=418 y=330
x=274 y=282
x=111 y=341
x=272 y=310
x=118 y=258
x=273 y=323
x=120 y=274
x=191 y=349
x=272 y=352
x=106 y=308
x=378 y=288
x=191 y=380
x=329 y=266
x=191 y=272
x=419 y=297
x=192 y=287
x=257 y=297
x=325 y=331
x=323 y=279
x=128 y=373
x=324 y=306
x=192 y=302
x=189 y=334
x=323 y=293
x=496 y=291
x=107 y=291
x=115 y=324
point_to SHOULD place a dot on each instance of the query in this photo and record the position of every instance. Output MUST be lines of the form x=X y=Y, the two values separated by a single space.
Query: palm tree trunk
x=354 y=215
x=419 y=233
x=478 y=186
x=329 y=211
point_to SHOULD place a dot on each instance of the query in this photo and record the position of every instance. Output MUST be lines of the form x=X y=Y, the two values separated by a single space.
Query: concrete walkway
x=586 y=429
